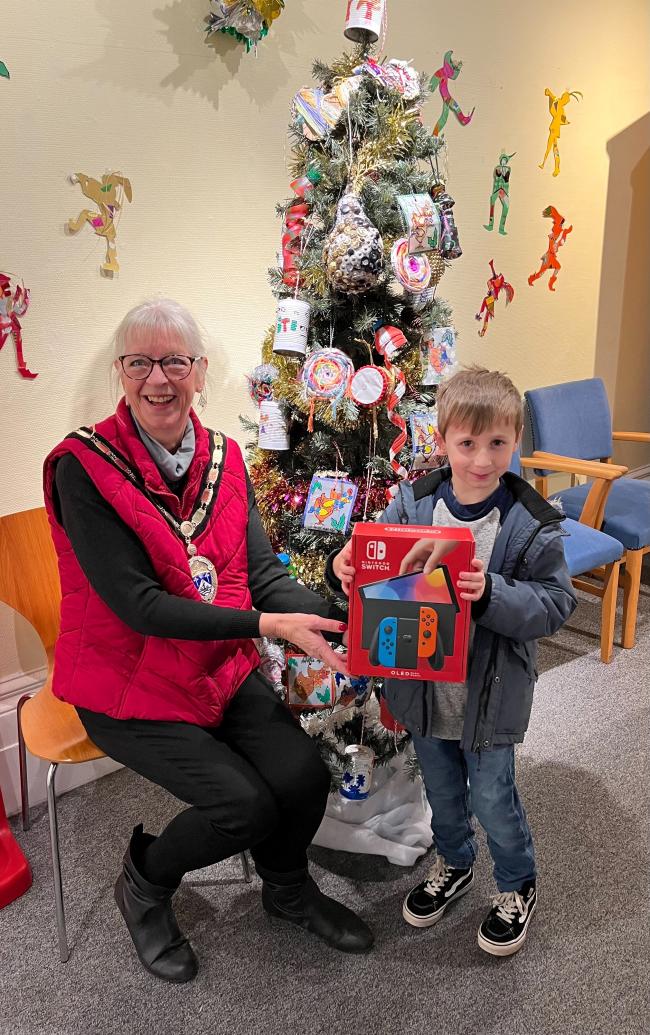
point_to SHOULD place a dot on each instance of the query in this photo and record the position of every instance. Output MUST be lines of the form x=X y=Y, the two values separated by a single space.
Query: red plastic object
x=15 y=874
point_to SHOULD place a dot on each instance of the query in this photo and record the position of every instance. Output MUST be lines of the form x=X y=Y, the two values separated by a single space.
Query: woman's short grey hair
x=159 y=316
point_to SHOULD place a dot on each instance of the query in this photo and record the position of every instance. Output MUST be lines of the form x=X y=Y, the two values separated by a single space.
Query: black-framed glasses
x=175 y=368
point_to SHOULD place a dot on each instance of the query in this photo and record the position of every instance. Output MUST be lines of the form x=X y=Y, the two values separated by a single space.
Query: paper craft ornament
x=500 y=192
x=273 y=663
x=295 y=222
x=395 y=75
x=369 y=386
x=317 y=112
x=421 y=220
x=260 y=382
x=449 y=70
x=309 y=683
x=363 y=20
x=330 y=502
x=388 y=342
x=413 y=272
x=246 y=20
x=423 y=437
x=357 y=772
x=420 y=301
x=273 y=430
x=449 y=243
x=354 y=251
x=14 y=304
x=496 y=284
x=556 y=239
x=438 y=355
x=556 y=106
x=326 y=374
x=351 y=689
x=4 y=71
x=108 y=195
x=291 y=328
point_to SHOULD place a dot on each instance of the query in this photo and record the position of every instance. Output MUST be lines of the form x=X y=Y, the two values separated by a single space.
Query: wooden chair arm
x=631 y=436
x=572 y=465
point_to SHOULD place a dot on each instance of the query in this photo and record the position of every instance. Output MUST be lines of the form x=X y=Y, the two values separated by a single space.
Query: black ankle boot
x=304 y=904
x=147 y=910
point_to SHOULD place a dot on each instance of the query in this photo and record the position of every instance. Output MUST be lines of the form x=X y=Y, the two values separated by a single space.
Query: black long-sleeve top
x=119 y=570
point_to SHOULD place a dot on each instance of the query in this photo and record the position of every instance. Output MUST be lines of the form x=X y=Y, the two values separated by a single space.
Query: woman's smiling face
x=161 y=403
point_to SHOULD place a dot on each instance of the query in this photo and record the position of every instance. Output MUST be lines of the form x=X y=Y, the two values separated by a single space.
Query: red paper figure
x=556 y=239
x=495 y=285
x=11 y=307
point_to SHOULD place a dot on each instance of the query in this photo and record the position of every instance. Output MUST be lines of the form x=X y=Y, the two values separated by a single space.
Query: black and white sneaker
x=503 y=932
x=425 y=904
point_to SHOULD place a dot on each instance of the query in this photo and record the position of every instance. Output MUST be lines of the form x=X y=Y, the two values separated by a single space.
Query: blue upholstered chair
x=573 y=420
x=593 y=558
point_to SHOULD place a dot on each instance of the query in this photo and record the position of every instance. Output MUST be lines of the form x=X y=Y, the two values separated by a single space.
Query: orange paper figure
x=556 y=239
x=107 y=194
x=556 y=106
x=496 y=284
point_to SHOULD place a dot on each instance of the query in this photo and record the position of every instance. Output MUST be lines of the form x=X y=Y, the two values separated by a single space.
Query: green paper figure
x=501 y=192
x=4 y=71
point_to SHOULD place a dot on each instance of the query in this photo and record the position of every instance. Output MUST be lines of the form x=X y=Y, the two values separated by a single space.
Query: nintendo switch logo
x=375 y=550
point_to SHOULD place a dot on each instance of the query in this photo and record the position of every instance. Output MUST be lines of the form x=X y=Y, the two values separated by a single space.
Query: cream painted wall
x=201 y=133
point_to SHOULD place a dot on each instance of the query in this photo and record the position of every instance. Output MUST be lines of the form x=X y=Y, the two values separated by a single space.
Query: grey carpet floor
x=583 y=774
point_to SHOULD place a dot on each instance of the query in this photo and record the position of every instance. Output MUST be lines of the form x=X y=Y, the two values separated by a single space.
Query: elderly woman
x=167 y=576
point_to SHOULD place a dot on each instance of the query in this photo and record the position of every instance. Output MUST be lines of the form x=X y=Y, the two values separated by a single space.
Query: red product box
x=412 y=626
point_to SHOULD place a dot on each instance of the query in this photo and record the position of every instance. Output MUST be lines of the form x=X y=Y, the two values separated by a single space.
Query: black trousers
x=257 y=782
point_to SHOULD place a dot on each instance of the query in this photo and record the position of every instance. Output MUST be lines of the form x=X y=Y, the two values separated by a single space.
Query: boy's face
x=478 y=461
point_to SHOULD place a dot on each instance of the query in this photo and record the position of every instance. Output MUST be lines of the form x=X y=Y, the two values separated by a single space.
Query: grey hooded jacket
x=528 y=595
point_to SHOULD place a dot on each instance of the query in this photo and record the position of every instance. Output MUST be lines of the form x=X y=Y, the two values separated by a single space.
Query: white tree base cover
x=393 y=821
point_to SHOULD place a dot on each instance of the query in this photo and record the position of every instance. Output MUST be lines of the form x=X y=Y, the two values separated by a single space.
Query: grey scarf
x=172 y=466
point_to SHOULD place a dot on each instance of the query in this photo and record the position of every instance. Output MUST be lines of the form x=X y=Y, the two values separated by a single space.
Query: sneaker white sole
x=512 y=947
x=429 y=921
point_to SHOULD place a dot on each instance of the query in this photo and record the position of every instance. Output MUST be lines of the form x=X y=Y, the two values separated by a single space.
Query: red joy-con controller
x=427 y=632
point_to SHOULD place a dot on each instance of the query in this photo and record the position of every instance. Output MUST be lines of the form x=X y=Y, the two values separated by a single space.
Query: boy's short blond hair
x=478 y=398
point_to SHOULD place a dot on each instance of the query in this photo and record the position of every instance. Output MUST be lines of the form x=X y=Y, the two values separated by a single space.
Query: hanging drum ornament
x=354 y=251
x=291 y=328
x=370 y=386
x=363 y=20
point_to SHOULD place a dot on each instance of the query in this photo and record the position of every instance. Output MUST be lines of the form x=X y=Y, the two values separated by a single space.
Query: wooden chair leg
x=633 y=561
x=608 y=616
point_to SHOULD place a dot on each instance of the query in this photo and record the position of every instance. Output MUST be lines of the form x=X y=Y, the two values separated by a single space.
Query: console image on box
x=397 y=598
x=402 y=642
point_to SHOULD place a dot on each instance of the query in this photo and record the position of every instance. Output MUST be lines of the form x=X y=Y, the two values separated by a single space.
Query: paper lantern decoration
x=357 y=772
x=291 y=328
x=309 y=683
x=413 y=272
x=330 y=502
x=369 y=386
x=423 y=437
x=354 y=251
x=422 y=221
x=363 y=20
x=438 y=355
x=273 y=430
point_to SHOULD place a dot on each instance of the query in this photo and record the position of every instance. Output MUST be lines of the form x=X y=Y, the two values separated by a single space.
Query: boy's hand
x=343 y=569
x=472 y=583
x=426 y=555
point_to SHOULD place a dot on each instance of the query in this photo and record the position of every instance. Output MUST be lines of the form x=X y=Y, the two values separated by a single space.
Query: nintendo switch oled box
x=411 y=626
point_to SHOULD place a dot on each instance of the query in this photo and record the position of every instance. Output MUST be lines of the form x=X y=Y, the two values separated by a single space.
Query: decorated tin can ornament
x=363 y=20
x=273 y=430
x=291 y=328
x=357 y=772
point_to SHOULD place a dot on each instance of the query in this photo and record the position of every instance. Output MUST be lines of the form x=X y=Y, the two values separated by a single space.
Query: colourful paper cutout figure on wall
x=4 y=71
x=556 y=106
x=440 y=81
x=500 y=192
x=556 y=239
x=107 y=194
x=12 y=305
x=496 y=284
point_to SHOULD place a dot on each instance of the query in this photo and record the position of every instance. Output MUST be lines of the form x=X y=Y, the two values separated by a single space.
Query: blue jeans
x=450 y=777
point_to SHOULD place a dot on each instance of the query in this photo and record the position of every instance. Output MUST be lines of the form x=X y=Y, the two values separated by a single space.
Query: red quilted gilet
x=102 y=664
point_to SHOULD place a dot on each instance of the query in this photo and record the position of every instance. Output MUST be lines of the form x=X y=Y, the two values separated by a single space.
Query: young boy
x=464 y=734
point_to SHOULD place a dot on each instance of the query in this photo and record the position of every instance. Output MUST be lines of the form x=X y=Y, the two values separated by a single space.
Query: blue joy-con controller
x=385 y=652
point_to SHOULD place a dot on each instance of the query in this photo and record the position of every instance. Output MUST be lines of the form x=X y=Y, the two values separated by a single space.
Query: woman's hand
x=472 y=582
x=306 y=632
x=426 y=555
x=343 y=569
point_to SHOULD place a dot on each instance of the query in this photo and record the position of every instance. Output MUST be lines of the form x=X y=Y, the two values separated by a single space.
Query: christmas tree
x=360 y=338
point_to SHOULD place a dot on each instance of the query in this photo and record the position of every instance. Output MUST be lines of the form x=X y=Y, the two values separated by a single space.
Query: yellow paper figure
x=107 y=194
x=556 y=106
